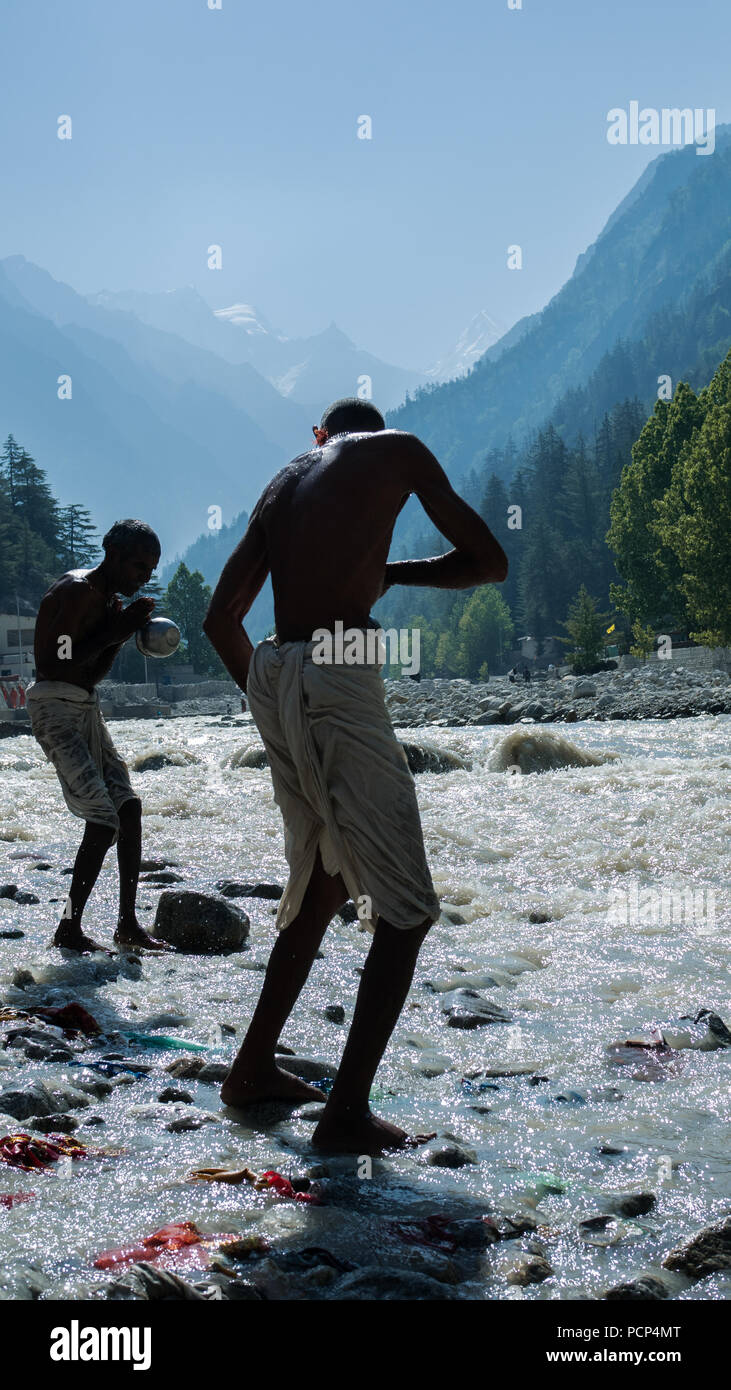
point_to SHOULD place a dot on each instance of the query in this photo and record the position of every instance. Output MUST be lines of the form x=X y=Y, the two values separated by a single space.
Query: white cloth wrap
x=68 y=724
x=342 y=783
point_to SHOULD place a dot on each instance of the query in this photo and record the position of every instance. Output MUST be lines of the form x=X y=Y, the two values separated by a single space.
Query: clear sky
x=238 y=126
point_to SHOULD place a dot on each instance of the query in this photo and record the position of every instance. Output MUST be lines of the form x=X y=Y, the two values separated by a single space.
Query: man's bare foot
x=364 y=1133
x=273 y=1084
x=71 y=938
x=132 y=934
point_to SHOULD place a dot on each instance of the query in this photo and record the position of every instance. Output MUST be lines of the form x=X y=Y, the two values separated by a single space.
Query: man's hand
x=125 y=621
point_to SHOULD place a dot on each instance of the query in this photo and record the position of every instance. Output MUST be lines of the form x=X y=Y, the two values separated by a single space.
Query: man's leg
x=87 y=866
x=129 y=852
x=347 y=1124
x=255 y=1074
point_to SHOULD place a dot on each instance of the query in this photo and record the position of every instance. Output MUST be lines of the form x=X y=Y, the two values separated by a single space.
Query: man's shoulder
x=70 y=587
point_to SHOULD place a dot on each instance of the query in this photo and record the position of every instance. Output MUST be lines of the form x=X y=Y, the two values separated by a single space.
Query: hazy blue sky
x=194 y=126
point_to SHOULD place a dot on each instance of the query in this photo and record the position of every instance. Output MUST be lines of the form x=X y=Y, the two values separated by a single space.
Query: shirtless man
x=81 y=626
x=323 y=529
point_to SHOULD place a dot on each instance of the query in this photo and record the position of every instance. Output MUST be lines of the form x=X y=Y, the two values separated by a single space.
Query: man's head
x=131 y=553
x=348 y=415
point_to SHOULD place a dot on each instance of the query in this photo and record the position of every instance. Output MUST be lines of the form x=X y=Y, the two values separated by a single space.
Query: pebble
x=530 y=1271
x=170 y=1093
x=384 y=1284
x=334 y=1013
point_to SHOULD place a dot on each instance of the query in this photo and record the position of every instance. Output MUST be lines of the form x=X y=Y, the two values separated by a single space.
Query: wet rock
x=426 y=758
x=311 y=1069
x=532 y=1270
x=382 y=1284
x=170 y=1093
x=229 y=888
x=163 y=876
x=630 y=1203
x=23 y=979
x=249 y=757
x=704 y=1031
x=510 y=1227
x=8 y=890
x=56 y=1124
x=94 y=1086
x=708 y=1252
x=646 y=1288
x=538 y=916
x=348 y=912
x=466 y=1008
x=185 y=1068
x=39 y=1100
x=24 y=898
x=213 y=1073
x=11 y=934
x=451 y=917
x=334 y=1013
x=149 y=865
x=183 y=1124
x=201 y=925
x=449 y=1154
x=154 y=762
x=146 y=1282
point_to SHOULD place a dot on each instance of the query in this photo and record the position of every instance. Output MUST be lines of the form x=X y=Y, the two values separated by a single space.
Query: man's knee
x=130 y=810
x=102 y=833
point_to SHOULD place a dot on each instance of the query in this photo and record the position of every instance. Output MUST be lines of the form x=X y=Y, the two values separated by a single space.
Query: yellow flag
x=611 y=629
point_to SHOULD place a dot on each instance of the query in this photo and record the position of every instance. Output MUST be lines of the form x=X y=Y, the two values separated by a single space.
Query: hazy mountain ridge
x=667 y=235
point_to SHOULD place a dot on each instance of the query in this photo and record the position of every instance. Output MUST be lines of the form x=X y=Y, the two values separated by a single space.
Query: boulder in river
x=533 y=1269
x=426 y=758
x=708 y=1252
x=200 y=924
x=538 y=750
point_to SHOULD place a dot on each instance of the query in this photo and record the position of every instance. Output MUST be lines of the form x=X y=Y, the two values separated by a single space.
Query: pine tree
x=186 y=601
x=585 y=626
x=77 y=544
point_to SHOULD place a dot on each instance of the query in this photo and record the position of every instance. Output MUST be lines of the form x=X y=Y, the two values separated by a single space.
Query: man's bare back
x=323 y=528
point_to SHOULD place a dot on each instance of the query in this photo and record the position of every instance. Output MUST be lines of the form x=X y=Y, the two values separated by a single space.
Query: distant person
x=323 y=528
x=526 y=674
x=81 y=626
x=512 y=674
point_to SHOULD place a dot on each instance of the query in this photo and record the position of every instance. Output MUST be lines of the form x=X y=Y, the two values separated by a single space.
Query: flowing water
x=503 y=846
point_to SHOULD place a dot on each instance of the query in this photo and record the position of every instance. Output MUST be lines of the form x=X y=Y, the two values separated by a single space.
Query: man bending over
x=323 y=529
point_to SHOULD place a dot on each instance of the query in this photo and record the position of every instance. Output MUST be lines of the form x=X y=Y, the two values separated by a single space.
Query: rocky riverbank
x=653 y=691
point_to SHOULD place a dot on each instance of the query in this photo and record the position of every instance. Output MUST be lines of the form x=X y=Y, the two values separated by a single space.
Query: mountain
x=665 y=244
x=310 y=371
x=481 y=333
x=153 y=427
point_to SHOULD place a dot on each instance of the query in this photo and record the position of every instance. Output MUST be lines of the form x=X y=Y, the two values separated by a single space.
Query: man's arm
x=478 y=558
x=241 y=579
x=77 y=607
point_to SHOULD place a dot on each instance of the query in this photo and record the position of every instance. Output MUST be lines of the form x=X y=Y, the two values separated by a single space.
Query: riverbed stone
x=426 y=758
x=199 y=924
x=380 y=1283
x=708 y=1252
x=648 y=1288
x=466 y=1008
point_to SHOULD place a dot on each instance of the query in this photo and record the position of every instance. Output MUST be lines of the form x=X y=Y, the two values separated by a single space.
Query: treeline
x=635 y=521
x=671 y=518
x=39 y=539
x=552 y=522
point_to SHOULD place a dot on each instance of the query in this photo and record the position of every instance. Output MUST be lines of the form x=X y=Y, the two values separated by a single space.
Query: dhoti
x=69 y=726
x=342 y=783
